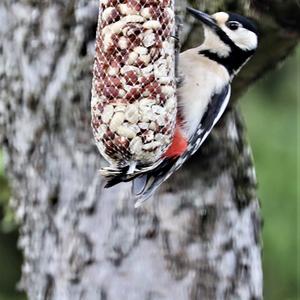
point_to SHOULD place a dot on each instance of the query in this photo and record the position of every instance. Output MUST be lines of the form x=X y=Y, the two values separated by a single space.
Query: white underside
x=202 y=78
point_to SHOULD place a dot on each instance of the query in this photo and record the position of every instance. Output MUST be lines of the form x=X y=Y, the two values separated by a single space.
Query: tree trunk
x=199 y=238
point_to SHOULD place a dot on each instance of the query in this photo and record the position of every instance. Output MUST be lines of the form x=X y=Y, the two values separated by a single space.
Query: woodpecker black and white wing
x=145 y=185
x=213 y=113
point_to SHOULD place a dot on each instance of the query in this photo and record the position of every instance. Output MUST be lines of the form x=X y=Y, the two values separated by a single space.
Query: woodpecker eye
x=233 y=25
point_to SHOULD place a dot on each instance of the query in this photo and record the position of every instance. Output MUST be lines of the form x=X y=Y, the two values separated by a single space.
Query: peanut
x=126 y=132
x=153 y=24
x=116 y=121
x=107 y=113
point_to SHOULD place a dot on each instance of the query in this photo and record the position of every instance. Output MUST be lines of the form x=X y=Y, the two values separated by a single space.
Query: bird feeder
x=133 y=92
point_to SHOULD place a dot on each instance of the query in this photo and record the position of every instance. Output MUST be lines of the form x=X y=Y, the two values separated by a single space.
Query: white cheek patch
x=249 y=40
x=242 y=37
x=213 y=42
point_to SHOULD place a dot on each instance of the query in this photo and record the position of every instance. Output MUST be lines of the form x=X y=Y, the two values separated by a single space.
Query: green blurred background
x=270 y=110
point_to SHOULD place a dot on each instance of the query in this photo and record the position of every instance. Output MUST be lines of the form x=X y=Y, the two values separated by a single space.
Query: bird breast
x=202 y=79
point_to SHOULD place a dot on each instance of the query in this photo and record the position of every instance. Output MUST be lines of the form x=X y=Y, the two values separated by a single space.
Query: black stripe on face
x=233 y=62
x=237 y=56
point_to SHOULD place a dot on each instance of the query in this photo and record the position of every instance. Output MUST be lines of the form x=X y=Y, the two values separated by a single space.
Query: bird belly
x=192 y=105
x=201 y=81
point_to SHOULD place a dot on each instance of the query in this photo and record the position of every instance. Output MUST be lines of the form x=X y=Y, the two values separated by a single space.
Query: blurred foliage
x=270 y=110
x=10 y=257
x=7 y=222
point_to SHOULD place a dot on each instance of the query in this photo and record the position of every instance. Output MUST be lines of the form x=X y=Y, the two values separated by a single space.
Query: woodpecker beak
x=203 y=17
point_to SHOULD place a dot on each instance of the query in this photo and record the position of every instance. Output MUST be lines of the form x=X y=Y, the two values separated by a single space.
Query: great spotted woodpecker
x=207 y=71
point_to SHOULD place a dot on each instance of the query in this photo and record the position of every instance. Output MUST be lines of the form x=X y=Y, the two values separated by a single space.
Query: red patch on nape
x=179 y=144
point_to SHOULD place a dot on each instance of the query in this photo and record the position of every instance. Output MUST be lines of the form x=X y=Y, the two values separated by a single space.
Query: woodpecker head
x=228 y=36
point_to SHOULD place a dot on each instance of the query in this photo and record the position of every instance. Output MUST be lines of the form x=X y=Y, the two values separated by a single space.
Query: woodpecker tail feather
x=117 y=174
x=145 y=185
x=145 y=180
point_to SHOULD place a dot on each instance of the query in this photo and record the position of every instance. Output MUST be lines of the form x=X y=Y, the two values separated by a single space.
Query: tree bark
x=199 y=238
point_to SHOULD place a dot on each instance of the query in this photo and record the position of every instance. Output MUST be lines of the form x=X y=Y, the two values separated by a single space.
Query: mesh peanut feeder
x=133 y=94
